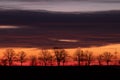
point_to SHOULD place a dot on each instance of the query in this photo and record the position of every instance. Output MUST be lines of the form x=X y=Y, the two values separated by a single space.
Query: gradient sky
x=24 y=23
x=62 y=5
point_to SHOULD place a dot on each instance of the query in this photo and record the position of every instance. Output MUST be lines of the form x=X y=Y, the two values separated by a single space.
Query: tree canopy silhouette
x=10 y=56
x=45 y=56
x=79 y=56
x=107 y=57
x=21 y=57
x=60 y=55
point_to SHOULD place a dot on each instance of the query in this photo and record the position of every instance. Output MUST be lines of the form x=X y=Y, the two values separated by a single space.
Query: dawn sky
x=61 y=5
x=31 y=25
x=24 y=23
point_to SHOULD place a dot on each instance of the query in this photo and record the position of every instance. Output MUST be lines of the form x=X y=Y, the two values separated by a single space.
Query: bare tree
x=115 y=58
x=119 y=62
x=64 y=57
x=100 y=58
x=33 y=60
x=45 y=56
x=107 y=57
x=60 y=55
x=21 y=57
x=89 y=57
x=4 y=62
x=9 y=55
x=51 y=60
x=79 y=56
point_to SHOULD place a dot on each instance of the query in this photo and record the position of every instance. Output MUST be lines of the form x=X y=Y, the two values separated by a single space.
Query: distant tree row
x=58 y=58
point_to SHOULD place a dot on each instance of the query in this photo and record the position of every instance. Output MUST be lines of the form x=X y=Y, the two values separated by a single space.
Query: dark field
x=62 y=73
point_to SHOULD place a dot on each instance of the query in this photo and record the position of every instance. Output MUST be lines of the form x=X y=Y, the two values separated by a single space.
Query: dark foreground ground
x=60 y=73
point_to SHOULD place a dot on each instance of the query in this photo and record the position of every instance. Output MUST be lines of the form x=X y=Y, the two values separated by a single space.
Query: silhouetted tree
x=65 y=55
x=60 y=55
x=100 y=58
x=115 y=58
x=79 y=56
x=45 y=56
x=119 y=62
x=33 y=60
x=21 y=57
x=107 y=57
x=4 y=62
x=89 y=57
x=51 y=60
x=9 y=55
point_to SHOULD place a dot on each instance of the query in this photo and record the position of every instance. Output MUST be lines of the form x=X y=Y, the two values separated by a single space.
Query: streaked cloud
x=65 y=40
x=8 y=27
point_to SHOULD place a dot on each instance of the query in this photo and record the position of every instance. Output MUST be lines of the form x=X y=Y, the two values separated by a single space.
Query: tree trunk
x=107 y=63
x=89 y=63
x=45 y=64
x=78 y=62
x=99 y=63
x=10 y=63
x=63 y=63
x=51 y=64
x=58 y=63
x=21 y=63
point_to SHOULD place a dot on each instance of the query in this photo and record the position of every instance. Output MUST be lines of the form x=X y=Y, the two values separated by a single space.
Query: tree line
x=59 y=57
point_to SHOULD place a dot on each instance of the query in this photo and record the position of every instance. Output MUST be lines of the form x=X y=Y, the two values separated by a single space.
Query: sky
x=62 y=5
x=40 y=23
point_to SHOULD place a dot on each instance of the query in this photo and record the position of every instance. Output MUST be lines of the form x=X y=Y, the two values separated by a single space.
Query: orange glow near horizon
x=96 y=50
x=36 y=51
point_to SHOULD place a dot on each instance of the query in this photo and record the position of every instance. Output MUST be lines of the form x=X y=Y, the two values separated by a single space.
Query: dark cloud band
x=47 y=29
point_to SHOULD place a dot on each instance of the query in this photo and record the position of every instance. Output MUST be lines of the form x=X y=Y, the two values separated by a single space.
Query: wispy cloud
x=65 y=40
x=9 y=27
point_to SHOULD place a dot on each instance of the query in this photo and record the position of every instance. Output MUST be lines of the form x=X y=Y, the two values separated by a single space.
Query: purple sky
x=64 y=5
x=22 y=28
